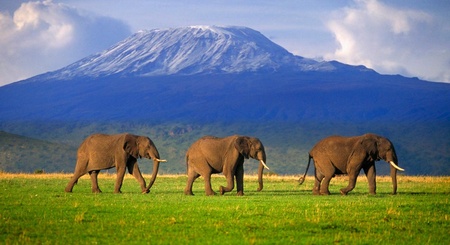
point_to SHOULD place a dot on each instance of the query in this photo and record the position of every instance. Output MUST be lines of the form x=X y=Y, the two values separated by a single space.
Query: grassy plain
x=34 y=209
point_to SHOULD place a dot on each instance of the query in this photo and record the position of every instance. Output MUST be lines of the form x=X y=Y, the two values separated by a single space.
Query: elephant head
x=378 y=148
x=141 y=146
x=251 y=147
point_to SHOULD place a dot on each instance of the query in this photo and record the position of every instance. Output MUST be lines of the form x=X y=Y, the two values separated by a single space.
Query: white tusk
x=262 y=162
x=159 y=160
x=395 y=166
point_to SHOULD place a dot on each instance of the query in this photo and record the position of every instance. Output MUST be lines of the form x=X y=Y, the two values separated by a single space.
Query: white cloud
x=44 y=36
x=392 y=40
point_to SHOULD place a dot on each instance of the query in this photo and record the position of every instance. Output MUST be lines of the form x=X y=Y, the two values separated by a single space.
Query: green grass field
x=36 y=210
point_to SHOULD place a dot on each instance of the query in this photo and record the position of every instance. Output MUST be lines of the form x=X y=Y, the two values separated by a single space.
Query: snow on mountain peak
x=188 y=50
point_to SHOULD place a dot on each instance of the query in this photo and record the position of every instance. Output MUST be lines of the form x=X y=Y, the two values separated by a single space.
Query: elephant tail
x=302 y=179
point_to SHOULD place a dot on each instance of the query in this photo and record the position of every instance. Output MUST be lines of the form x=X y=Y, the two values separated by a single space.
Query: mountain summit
x=187 y=51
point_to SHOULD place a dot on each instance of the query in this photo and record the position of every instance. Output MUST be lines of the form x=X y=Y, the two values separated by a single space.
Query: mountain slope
x=24 y=154
x=292 y=97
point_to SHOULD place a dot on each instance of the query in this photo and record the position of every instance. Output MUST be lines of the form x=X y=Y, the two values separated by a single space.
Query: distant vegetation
x=422 y=148
x=23 y=154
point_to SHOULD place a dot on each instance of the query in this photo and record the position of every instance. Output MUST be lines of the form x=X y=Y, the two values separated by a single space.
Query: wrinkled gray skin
x=348 y=155
x=210 y=155
x=101 y=151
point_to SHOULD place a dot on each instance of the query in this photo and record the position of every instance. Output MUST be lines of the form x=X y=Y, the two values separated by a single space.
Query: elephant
x=348 y=155
x=209 y=155
x=102 y=151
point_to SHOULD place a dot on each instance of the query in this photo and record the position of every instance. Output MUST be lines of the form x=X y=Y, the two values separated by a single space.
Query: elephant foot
x=188 y=193
x=316 y=191
x=211 y=193
x=146 y=191
x=221 y=190
x=344 y=192
x=324 y=192
x=68 y=190
x=96 y=191
x=240 y=193
x=118 y=192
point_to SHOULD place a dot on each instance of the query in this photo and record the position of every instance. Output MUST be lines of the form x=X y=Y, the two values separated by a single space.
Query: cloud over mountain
x=43 y=36
x=392 y=40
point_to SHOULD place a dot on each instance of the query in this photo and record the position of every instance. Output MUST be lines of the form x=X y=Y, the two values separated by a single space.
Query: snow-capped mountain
x=190 y=50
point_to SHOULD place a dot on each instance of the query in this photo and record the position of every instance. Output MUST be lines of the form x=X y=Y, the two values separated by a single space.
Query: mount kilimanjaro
x=190 y=51
x=214 y=74
x=203 y=75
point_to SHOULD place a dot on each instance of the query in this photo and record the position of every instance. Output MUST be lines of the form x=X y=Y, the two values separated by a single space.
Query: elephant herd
x=209 y=155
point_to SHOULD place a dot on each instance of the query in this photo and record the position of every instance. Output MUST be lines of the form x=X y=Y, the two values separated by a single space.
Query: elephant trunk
x=394 y=180
x=154 y=174
x=261 y=167
x=394 y=168
x=260 y=174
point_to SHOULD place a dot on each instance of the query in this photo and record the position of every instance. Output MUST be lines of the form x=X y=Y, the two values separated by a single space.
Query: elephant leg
x=352 y=176
x=240 y=179
x=80 y=168
x=133 y=169
x=324 y=173
x=72 y=182
x=230 y=184
x=208 y=189
x=192 y=176
x=324 y=187
x=317 y=180
x=119 y=180
x=93 y=174
x=370 y=172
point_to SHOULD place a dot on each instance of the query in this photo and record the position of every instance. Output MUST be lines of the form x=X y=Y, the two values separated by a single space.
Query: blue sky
x=408 y=37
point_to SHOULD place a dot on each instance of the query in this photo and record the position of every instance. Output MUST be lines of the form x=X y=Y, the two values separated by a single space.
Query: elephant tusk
x=262 y=162
x=395 y=166
x=160 y=160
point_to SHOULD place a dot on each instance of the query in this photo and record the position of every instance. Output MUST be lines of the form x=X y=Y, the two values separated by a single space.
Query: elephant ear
x=130 y=145
x=242 y=144
x=365 y=149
